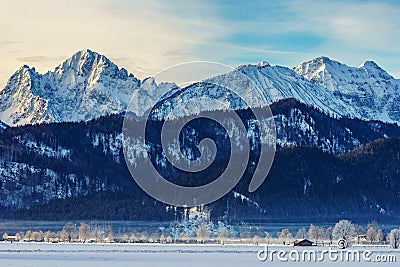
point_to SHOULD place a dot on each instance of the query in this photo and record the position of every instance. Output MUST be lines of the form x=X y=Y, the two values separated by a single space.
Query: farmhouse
x=303 y=243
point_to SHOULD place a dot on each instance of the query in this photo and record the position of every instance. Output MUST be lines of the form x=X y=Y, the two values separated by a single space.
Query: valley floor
x=44 y=254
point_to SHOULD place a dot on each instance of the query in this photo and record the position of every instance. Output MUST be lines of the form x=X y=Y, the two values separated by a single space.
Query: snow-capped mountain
x=244 y=87
x=85 y=86
x=88 y=85
x=366 y=92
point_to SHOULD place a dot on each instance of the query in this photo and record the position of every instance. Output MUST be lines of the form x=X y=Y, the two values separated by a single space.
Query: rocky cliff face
x=367 y=92
x=85 y=86
x=88 y=85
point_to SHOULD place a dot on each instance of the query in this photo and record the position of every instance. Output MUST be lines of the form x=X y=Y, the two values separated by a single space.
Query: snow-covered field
x=44 y=254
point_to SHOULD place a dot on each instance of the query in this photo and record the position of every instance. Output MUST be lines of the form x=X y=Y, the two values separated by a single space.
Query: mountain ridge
x=88 y=85
x=85 y=86
x=366 y=91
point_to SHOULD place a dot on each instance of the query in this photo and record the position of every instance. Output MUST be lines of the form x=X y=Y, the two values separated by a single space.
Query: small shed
x=303 y=243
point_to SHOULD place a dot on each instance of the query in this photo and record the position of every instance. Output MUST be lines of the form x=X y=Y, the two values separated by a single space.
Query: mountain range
x=333 y=123
x=88 y=85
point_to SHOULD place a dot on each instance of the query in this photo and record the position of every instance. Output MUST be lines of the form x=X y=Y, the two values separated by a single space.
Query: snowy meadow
x=66 y=254
x=195 y=243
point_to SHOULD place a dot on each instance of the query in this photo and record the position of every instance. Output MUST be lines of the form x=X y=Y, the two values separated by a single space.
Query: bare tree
x=394 y=238
x=133 y=238
x=46 y=237
x=223 y=235
x=37 y=236
x=313 y=232
x=202 y=234
x=379 y=236
x=84 y=232
x=63 y=236
x=371 y=235
x=329 y=234
x=321 y=232
x=268 y=238
x=344 y=229
x=162 y=239
x=98 y=234
x=169 y=239
x=301 y=233
x=110 y=236
x=256 y=240
x=17 y=237
x=289 y=236
x=54 y=237
x=143 y=237
x=69 y=230
x=373 y=224
x=284 y=236
x=185 y=238
x=27 y=236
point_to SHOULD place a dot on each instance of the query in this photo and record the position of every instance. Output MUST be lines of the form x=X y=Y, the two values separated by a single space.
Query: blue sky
x=147 y=36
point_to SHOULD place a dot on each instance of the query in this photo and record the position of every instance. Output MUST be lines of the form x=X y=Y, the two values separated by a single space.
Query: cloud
x=139 y=65
x=10 y=42
x=145 y=36
x=294 y=31
x=365 y=25
x=39 y=59
x=176 y=53
x=353 y=31
x=144 y=32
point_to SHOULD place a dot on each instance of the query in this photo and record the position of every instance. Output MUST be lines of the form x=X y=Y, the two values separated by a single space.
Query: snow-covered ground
x=44 y=254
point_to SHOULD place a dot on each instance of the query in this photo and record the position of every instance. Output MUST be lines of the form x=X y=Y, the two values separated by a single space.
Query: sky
x=146 y=36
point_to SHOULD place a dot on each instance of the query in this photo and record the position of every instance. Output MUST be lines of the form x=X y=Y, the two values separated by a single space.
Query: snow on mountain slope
x=149 y=94
x=88 y=85
x=3 y=125
x=19 y=103
x=366 y=92
x=85 y=86
x=252 y=83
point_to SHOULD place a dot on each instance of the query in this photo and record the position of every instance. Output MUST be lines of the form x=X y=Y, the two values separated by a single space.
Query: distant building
x=303 y=243
x=12 y=238
x=359 y=238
